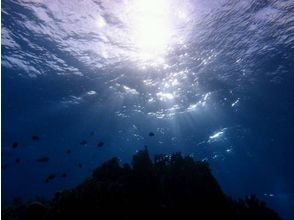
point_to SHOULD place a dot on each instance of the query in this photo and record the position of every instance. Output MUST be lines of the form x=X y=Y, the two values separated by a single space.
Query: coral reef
x=170 y=186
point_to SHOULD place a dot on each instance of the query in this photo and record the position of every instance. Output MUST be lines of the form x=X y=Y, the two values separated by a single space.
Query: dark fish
x=63 y=175
x=43 y=159
x=17 y=160
x=68 y=151
x=80 y=165
x=100 y=144
x=151 y=134
x=50 y=177
x=83 y=142
x=14 y=145
x=35 y=138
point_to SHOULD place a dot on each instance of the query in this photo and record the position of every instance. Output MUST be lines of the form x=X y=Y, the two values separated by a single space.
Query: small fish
x=50 y=177
x=83 y=142
x=92 y=133
x=14 y=145
x=80 y=165
x=35 y=138
x=100 y=144
x=43 y=159
x=151 y=134
x=17 y=160
x=68 y=151
x=63 y=175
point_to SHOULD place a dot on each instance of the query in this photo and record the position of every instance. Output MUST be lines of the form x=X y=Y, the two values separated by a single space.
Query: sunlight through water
x=152 y=30
x=97 y=79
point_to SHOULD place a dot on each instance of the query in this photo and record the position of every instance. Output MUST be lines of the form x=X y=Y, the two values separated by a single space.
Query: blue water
x=211 y=79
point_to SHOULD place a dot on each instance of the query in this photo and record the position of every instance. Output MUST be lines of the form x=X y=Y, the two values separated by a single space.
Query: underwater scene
x=173 y=107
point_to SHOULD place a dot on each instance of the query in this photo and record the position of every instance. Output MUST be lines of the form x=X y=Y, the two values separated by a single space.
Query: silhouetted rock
x=168 y=187
x=35 y=211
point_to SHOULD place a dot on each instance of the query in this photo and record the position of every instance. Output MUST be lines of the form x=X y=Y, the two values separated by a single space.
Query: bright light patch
x=236 y=102
x=143 y=31
x=229 y=150
x=130 y=90
x=164 y=96
x=91 y=93
x=216 y=136
x=192 y=107
x=100 y=22
x=151 y=29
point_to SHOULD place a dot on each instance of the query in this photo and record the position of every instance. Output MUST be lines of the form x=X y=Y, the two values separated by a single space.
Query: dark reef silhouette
x=170 y=186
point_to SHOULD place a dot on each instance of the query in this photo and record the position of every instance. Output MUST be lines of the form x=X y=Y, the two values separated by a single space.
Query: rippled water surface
x=212 y=79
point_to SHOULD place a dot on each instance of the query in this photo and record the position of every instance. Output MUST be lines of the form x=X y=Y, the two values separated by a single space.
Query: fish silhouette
x=63 y=175
x=14 y=145
x=100 y=144
x=43 y=159
x=35 y=138
x=151 y=134
x=83 y=142
x=50 y=177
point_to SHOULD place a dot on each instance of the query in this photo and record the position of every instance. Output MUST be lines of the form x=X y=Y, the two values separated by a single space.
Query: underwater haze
x=84 y=81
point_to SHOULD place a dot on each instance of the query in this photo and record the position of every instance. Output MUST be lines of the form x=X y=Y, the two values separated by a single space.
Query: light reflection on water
x=130 y=43
x=142 y=31
x=165 y=53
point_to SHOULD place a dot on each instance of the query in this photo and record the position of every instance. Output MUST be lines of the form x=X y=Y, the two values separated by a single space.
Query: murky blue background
x=211 y=79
